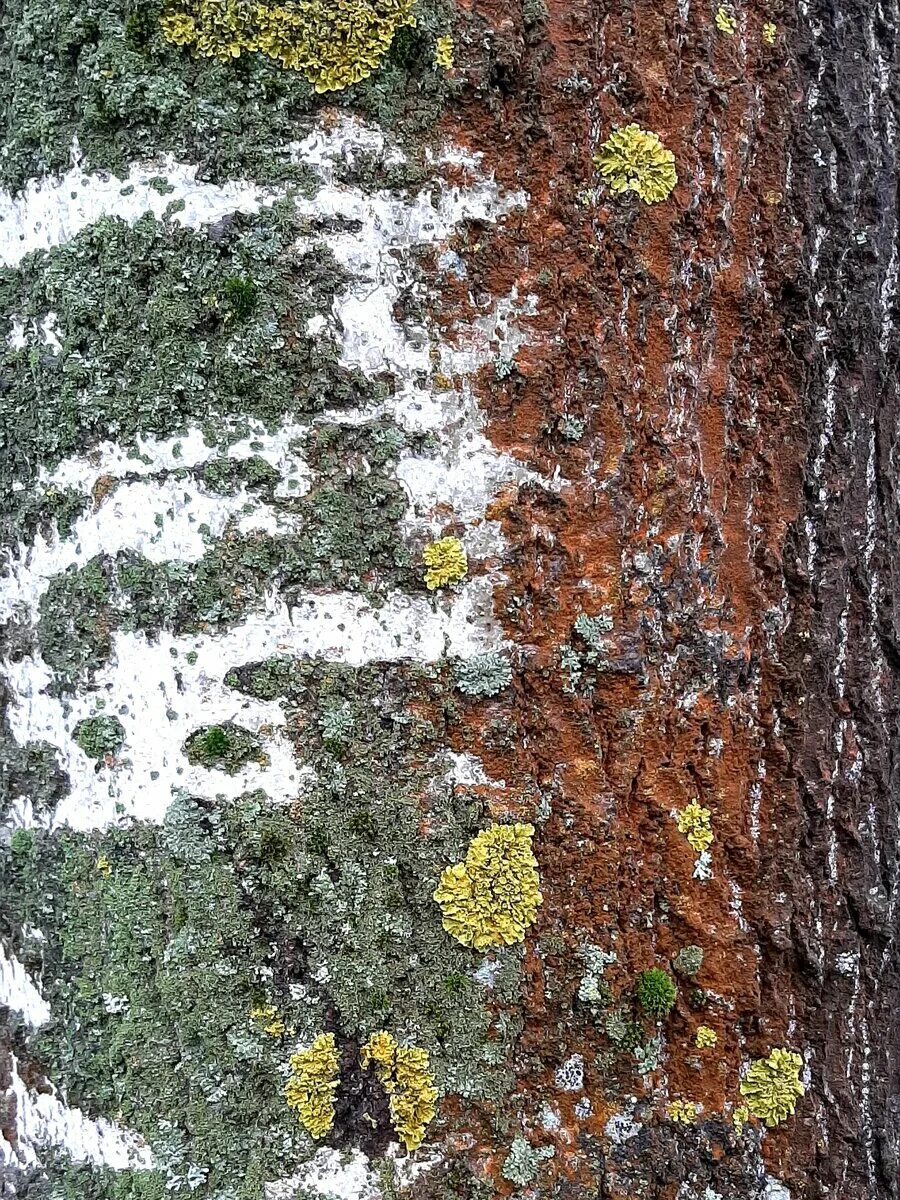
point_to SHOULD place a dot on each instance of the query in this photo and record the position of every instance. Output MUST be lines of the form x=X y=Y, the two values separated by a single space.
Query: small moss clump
x=225 y=747
x=241 y=296
x=635 y=160
x=656 y=992
x=100 y=735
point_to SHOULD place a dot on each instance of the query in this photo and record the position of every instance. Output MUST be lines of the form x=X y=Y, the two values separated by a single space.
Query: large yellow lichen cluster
x=405 y=1074
x=445 y=562
x=772 y=1086
x=694 y=822
x=333 y=43
x=312 y=1086
x=635 y=160
x=492 y=897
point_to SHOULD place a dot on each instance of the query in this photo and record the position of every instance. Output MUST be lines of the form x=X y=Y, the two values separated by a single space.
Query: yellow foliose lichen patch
x=492 y=897
x=726 y=22
x=333 y=44
x=311 y=1088
x=705 y=1038
x=267 y=1016
x=772 y=1086
x=769 y=30
x=695 y=823
x=683 y=1112
x=739 y=1118
x=635 y=160
x=443 y=52
x=445 y=562
x=406 y=1077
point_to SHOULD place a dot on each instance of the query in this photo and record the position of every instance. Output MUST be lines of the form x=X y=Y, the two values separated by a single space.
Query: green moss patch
x=225 y=747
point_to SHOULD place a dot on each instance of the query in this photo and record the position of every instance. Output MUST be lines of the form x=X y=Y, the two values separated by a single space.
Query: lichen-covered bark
x=245 y=732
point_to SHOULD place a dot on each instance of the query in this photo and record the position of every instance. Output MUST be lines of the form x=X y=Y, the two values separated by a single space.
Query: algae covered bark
x=449 y=670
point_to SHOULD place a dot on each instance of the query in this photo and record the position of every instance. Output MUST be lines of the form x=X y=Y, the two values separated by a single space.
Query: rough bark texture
x=732 y=505
x=698 y=584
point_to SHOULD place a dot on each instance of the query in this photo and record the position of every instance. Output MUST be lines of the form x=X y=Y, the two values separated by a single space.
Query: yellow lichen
x=267 y=1015
x=739 y=1118
x=312 y=1086
x=772 y=1086
x=634 y=160
x=769 y=31
x=694 y=822
x=405 y=1075
x=705 y=1038
x=684 y=1112
x=726 y=22
x=443 y=52
x=446 y=562
x=333 y=45
x=103 y=866
x=492 y=897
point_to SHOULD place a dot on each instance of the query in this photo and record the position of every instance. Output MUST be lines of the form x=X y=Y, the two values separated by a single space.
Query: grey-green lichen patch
x=522 y=1162
x=160 y=941
x=347 y=535
x=101 y=70
x=29 y=774
x=100 y=735
x=586 y=653
x=484 y=675
x=148 y=344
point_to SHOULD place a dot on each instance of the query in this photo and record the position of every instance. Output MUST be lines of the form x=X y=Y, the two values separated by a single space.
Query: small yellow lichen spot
x=634 y=160
x=312 y=1086
x=446 y=562
x=268 y=1013
x=443 y=52
x=726 y=22
x=772 y=1086
x=769 y=31
x=492 y=897
x=406 y=1077
x=705 y=1038
x=739 y=1118
x=684 y=1112
x=694 y=822
x=103 y=866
